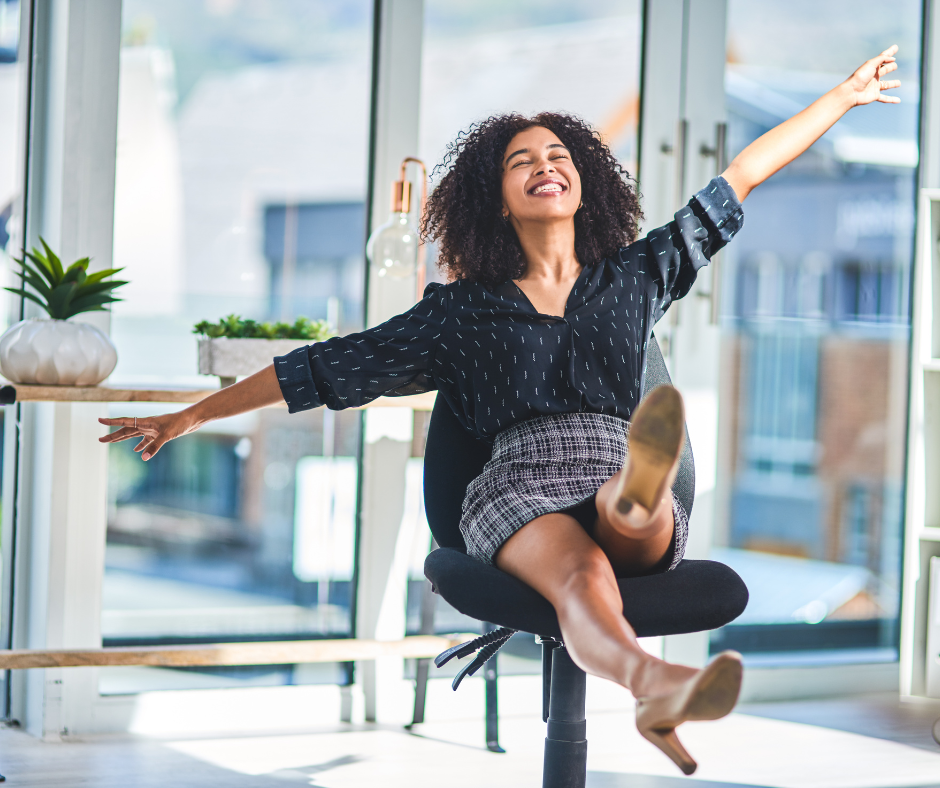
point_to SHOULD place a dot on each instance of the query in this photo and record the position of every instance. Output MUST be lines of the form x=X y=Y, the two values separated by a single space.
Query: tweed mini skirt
x=550 y=464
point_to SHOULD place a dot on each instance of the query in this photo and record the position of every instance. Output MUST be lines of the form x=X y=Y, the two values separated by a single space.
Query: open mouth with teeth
x=548 y=188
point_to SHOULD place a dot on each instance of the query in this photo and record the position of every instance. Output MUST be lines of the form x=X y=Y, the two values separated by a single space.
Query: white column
x=63 y=469
x=660 y=109
x=383 y=566
x=682 y=101
x=696 y=342
x=930 y=99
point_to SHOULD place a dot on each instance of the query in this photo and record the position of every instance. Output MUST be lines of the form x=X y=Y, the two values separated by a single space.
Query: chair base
x=565 y=764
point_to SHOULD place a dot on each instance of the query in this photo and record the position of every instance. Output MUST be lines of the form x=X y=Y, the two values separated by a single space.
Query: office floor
x=268 y=737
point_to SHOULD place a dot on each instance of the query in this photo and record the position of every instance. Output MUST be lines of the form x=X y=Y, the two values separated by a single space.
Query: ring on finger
x=135 y=422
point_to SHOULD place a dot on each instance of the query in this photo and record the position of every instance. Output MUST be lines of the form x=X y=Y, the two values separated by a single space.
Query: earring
x=581 y=205
x=505 y=218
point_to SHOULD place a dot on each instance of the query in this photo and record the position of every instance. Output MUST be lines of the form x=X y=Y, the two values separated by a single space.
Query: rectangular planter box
x=231 y=358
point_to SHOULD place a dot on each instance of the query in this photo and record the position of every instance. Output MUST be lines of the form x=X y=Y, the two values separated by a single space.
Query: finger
x=144 y=443
x=888 y=99
x=120 y=435
x=887 y=68
x=882 y=58
x=146 y=427
x=878 y=63
x=154 y=447
x=891 y=50
x=122 y=422
x=888 y=84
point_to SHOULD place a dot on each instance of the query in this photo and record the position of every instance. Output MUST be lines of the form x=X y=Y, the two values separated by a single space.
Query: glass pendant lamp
x=394 y=248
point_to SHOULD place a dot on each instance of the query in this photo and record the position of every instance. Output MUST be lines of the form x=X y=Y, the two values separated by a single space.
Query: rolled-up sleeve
x=673 y=254
x=391 y=359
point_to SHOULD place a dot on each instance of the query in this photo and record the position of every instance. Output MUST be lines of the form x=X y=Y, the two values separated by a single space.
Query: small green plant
x=64 y=292
x=234 y=327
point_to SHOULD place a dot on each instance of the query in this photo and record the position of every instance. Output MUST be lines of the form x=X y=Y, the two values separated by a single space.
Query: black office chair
x=696 y=596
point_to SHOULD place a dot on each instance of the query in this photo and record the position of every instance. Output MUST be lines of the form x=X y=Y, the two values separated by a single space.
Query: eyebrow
x=526 y=150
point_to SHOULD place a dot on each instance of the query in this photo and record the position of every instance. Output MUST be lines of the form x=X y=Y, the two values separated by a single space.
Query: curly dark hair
x=464 y=213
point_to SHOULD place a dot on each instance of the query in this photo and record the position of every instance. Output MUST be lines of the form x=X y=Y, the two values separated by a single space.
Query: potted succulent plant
x=235 y=346
x=54 y=350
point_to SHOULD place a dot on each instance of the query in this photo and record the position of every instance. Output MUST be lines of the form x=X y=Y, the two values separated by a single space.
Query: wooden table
x=347 y=649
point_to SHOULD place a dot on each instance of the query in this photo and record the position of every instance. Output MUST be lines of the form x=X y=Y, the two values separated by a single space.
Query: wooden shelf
x=264 y=653
x=15 y=392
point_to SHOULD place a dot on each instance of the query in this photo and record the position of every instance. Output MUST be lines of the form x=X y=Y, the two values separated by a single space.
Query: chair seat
x=695 y=596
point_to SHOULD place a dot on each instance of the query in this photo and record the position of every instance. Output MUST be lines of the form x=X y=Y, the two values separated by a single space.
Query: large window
x=12 y=79
x=11 y=92
x=241 y=179
x=815 y=332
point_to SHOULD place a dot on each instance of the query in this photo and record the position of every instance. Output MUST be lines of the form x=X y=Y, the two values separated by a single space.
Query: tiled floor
x=274 y=737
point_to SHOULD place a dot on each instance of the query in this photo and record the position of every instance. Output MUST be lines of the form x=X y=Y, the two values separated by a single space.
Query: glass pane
x=235 y=196
x=522 y=56
x=12 y=73
x=815 y=330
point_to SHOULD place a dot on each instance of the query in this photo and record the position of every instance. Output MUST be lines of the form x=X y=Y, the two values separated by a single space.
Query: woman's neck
x=549 y=251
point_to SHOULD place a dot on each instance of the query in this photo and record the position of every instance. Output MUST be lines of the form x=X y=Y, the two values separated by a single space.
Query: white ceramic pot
x=56 y=353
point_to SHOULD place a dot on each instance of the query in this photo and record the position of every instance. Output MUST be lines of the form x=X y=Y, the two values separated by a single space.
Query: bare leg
x=555 y=556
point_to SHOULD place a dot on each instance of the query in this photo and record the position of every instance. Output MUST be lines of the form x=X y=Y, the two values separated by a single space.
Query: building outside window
x=816 y=333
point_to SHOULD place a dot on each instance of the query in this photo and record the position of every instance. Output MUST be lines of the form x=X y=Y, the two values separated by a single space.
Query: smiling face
x=540 y=183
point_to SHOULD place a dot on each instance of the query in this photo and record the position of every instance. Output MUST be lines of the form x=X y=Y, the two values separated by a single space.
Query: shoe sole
x=712 y=696
x=655 y=439
x=716 y=693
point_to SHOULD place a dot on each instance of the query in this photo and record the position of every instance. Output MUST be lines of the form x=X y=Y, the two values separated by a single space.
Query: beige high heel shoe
x=709 y=695
x=657 y=433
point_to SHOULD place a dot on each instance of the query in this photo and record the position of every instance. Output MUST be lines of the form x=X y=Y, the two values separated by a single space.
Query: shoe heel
x=669 y=743
x=710 y=695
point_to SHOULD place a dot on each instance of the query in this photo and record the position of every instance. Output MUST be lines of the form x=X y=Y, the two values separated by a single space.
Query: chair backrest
x=453 y=458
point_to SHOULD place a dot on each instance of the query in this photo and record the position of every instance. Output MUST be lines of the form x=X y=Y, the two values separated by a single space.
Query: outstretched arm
x=256 y=391
x=782 y=144
x=342 y=372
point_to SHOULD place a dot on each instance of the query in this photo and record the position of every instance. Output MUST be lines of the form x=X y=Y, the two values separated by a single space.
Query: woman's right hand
x=154 y=431
x=256 y=391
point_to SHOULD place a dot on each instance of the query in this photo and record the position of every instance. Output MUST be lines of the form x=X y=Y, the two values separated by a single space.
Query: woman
x=537 y=344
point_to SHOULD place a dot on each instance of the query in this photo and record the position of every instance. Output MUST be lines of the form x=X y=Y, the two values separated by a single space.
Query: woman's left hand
x=783 y=143
x=868 y=83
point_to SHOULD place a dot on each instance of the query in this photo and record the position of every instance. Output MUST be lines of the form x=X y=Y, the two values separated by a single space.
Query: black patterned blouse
x=497 y=361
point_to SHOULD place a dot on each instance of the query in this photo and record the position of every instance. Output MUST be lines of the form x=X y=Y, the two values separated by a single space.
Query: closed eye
x=526 y=161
